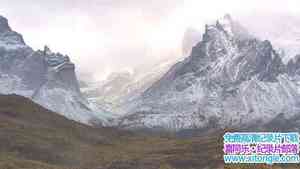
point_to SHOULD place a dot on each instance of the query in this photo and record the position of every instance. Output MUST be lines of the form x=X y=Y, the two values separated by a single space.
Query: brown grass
x=32 y=137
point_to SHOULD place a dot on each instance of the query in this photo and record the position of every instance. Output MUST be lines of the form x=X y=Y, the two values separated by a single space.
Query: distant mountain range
x=231 y=79
x=119 y=88
x=45 y=77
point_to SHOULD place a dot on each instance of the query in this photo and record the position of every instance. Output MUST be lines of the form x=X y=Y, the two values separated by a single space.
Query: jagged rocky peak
x=293 y=66
x=60 y=68
x=231 y=79
x=228 y=50
x=4 y=27
x=226 y=23
x=225 y=57
x=7 y=35
x=46 y=77
x=227 y=26
x=55 y=59
x=47 y=50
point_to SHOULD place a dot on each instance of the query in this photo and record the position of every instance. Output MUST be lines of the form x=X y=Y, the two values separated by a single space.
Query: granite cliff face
x=231 y=79
x=47 y=78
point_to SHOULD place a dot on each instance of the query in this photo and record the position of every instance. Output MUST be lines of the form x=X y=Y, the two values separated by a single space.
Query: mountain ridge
x=230 y=79
x=46 y=77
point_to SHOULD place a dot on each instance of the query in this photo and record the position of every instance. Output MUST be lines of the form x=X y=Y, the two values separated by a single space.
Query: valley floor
x=32 y=137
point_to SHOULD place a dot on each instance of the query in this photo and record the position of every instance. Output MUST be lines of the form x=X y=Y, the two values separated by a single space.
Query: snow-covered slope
x=108 y=93
x=230 y=79
x=47 y=78
x=119 y=88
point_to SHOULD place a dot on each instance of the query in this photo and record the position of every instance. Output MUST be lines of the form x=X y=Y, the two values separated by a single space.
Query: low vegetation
x=32 y=137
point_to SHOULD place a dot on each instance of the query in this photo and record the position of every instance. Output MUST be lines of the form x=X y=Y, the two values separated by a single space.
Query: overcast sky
x=102 y=36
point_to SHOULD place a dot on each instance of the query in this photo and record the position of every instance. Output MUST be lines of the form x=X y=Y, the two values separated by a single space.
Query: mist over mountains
x=146 y=84
x=231 y=78
x=234 y=76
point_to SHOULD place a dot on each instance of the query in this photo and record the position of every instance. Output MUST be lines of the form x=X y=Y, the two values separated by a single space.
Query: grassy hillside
x=32 y=137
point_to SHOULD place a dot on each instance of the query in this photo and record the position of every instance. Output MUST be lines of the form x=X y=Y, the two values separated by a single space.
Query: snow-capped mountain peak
x=4 y=27
x=10 y=39
x=229 y=27
x=226 y=23
x=46 y=77
x=56 y=60
x=230 y=79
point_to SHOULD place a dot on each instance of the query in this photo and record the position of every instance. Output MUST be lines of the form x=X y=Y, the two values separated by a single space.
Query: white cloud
x=103 y=35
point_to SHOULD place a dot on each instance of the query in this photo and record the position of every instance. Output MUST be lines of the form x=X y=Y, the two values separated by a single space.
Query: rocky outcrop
x=47 y=78
x=231 y=79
